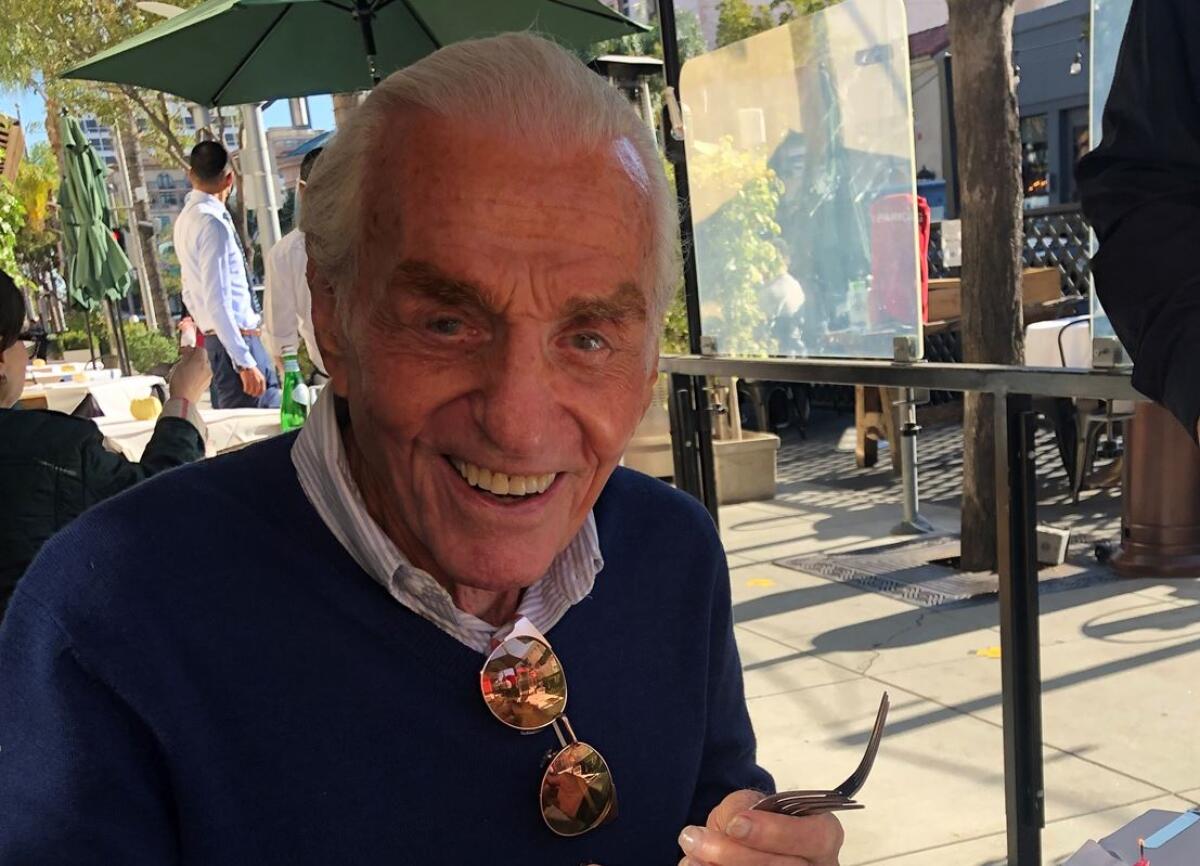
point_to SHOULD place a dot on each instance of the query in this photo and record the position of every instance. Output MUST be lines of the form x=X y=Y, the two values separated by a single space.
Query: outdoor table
x=112 y=396
x=228 y=430
x=66 y=368
x=49 y=375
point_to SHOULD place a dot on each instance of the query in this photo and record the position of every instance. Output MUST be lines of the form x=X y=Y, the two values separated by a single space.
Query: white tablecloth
x=55 y=373
x=113 y=396
x=1065 y=343
x=1059 y=343
x=57 y=369
x=228 y=429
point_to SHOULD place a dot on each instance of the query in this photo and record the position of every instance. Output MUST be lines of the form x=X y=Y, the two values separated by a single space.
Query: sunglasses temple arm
x=562 y=741
x=566 y=723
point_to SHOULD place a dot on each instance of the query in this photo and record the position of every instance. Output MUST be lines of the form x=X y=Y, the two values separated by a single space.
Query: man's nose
x=517 y=407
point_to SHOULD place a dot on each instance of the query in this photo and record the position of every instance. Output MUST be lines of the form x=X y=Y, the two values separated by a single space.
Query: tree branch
x=161 y=123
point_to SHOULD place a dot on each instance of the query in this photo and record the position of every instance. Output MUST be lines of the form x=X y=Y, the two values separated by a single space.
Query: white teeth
x=501 y=483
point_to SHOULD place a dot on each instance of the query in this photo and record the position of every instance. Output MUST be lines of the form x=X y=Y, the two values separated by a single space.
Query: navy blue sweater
x=195 y=672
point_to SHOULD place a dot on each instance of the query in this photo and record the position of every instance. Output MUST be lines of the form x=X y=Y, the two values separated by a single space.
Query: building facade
x=12 y=147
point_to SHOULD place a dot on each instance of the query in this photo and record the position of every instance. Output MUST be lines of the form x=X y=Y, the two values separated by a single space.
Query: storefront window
x=1035 y=161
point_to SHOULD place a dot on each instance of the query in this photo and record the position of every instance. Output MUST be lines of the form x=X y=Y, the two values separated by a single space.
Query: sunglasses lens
x=523 y=684
x=577 y=791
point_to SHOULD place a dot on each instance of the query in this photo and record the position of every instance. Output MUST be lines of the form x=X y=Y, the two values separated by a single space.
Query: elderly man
x=366 y=662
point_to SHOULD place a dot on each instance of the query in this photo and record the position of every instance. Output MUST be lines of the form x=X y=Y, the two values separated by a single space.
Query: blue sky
x=33 y=112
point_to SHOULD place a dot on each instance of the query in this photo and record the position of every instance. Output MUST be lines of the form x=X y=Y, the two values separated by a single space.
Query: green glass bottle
x=293 y=408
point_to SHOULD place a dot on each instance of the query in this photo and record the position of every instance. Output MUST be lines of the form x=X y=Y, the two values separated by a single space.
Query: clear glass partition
x=1108 y=27
x=800 y=160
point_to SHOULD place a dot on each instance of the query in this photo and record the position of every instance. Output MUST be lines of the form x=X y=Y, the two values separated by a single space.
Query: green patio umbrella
x=98 y=271
x=236 y=52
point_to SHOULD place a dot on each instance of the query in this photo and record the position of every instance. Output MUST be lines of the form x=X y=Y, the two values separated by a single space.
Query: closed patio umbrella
x=98 y=271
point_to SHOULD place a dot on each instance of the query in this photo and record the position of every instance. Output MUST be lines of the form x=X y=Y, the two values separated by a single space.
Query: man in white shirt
x=287 y=301
x=216 y=288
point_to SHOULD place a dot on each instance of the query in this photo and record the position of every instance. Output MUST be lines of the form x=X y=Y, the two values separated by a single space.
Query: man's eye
x=587 y=342
x=446 y=327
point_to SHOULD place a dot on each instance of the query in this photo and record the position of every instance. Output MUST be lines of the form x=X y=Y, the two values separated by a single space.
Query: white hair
x=519 y=86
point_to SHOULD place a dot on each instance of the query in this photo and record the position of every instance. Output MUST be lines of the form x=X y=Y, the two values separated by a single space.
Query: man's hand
x=736 y=836
x=253 y=381
x=190 y=376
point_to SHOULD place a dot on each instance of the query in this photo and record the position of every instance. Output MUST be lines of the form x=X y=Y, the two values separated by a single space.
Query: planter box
x=649 y=450
x=746 y=467
x=1038 y=286
x=78 y=356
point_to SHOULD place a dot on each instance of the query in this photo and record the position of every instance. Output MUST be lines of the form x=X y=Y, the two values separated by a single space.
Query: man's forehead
x=623 y=301
x=423 y=152
x=485 y=209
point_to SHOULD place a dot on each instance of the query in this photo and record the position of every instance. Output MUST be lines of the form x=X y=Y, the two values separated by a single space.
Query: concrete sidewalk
x=1120 y=663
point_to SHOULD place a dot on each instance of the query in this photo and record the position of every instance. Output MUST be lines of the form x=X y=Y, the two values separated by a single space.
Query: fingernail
x=689 y=838
x=739 y=827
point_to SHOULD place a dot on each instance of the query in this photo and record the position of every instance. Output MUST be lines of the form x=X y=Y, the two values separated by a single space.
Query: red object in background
x=892 y=258
x=189 y=334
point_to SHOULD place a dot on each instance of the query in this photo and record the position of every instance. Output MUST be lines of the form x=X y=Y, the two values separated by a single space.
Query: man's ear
x=328 y=328
x=227 y=182
x=651 y=380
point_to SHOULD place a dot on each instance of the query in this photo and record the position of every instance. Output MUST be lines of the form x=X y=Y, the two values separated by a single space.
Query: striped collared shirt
x=324 y=473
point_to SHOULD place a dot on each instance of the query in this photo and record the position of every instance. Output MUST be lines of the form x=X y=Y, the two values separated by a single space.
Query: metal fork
x=841 y=798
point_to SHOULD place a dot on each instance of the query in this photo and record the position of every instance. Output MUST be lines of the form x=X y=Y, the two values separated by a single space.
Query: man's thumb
x=735 y=803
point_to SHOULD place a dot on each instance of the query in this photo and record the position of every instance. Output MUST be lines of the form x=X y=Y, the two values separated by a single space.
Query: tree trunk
x=57 y=322
x=152 y=290
x=343 y=104
x=55 y=138
x=989 y=161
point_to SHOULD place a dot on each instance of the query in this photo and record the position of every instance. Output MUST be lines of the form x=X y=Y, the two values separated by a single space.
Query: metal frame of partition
x=1016 y=518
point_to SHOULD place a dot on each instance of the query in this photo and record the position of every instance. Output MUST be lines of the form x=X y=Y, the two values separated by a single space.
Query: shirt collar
x=324 y=474
x=206 y=200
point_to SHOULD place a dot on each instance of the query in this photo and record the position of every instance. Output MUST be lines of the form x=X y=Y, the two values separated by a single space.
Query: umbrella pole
x=364 y=14
x=87 y=323
x=118 y=336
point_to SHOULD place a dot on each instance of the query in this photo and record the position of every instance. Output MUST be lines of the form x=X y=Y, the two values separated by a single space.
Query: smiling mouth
x=502 y=484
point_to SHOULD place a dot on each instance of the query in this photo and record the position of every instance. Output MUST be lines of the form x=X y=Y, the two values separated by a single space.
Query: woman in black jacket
x=54 y=466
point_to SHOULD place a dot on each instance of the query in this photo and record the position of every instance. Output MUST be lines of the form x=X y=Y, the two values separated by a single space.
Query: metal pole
x=1020 y=668
x=259 y=179
x=139 y=261
x=913 y=523
x=647 y=104
x=951 y=133
x=705 y=488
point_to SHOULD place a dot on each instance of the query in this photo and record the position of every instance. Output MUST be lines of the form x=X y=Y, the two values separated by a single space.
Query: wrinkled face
x=500 y=362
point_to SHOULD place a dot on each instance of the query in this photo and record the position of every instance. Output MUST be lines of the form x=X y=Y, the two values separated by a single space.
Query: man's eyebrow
x=426 y=280
x=629 y=302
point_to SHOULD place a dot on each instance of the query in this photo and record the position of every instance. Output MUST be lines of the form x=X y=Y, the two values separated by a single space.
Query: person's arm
x=179 y=436
x=1141 y=192
x=175 y=442
x=280 y=314
x=81 y=778
x=215 y=252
